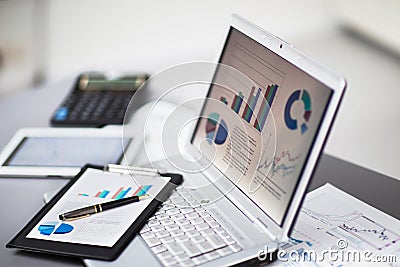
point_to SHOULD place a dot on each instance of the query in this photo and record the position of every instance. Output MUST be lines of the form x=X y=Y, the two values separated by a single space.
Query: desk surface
x=34 y=108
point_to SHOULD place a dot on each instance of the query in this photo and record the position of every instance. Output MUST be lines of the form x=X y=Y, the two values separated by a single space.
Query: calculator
x=97 y=100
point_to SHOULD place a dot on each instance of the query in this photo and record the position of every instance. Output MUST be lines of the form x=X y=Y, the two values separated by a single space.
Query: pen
x=87 y=211
x=133 y=169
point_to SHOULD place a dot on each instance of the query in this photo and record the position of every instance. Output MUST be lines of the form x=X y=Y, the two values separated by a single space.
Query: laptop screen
x=260 y=130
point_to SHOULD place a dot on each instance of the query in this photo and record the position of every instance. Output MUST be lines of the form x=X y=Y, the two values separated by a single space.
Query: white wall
x=16 y=45
x=152 y=35
x=58 y=39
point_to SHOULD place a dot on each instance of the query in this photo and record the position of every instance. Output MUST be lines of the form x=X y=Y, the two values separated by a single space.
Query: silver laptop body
x=232 y=219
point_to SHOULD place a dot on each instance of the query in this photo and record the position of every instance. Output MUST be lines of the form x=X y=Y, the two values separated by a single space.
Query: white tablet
x=61 y=152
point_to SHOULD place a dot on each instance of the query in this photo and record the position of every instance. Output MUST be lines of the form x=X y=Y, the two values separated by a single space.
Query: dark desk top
x=373 y=188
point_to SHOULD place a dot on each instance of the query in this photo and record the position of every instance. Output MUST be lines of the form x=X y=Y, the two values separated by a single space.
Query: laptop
x=256 y=142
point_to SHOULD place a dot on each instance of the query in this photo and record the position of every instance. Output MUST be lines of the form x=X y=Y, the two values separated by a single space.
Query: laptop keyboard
x=183 y=233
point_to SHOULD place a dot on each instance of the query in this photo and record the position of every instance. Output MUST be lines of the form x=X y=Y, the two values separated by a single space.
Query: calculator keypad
x=93 y=108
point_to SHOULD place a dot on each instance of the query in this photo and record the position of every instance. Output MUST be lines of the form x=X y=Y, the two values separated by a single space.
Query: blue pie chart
x=216 y=129
x=49 y=228
x=291 y=123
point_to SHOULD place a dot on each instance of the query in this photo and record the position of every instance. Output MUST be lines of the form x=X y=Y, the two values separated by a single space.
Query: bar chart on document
x=120 y=193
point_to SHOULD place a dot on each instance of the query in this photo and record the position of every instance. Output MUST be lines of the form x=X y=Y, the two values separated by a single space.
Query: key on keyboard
x=182 y=232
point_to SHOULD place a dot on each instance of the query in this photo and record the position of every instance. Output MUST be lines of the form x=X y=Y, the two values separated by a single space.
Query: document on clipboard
x=104 y=231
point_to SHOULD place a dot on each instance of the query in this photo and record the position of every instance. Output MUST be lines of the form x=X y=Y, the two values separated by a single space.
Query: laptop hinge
x=264 y=228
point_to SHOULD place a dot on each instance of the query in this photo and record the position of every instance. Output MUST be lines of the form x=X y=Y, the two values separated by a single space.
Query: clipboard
x=79 y=238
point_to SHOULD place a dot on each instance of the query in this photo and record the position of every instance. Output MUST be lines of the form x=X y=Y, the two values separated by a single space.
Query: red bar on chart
x=116 y=194
x=137 y=191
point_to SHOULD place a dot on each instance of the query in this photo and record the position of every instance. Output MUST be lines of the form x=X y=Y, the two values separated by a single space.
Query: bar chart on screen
x=255 y=108
x=253 y=103
x=120 y=193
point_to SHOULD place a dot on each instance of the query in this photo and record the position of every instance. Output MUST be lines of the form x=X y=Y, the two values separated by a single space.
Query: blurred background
x=43 y=42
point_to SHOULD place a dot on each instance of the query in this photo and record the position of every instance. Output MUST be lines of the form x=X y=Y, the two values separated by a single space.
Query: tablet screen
x=67 y=151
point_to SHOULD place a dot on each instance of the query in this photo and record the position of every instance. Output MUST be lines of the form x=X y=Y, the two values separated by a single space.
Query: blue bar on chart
x=246 y=111
x=237 y=102
x=117 y=193
x=223 y=100
x=123 y=193
x=251 y=104
x=265 y=106
x=103 y=194
x=144 y=190
x=264 y=110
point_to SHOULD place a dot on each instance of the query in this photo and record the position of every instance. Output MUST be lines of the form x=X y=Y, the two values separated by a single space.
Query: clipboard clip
x=134 y=170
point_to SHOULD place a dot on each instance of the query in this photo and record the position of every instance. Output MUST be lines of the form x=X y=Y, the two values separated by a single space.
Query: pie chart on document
x=50 y=228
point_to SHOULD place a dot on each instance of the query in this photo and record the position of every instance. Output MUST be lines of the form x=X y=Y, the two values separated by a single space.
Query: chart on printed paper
x=329 y=215
x=105 y=228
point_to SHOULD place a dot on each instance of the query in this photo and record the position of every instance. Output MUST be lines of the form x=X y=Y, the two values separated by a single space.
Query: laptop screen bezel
x=334 y=83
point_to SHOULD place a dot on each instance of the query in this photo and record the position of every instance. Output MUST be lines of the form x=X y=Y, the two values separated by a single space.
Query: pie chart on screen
x=292 y=123
x=216 y=129
x=50 y=228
